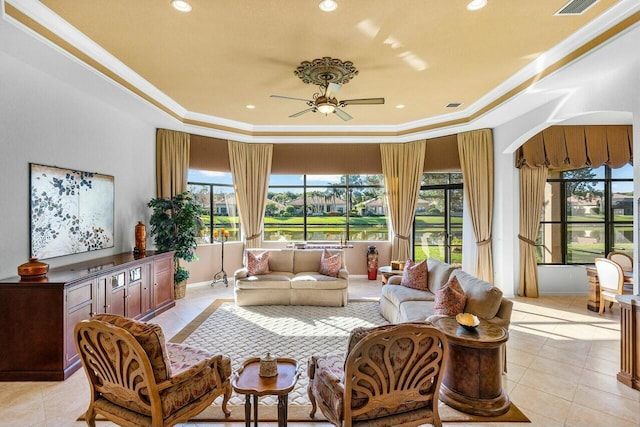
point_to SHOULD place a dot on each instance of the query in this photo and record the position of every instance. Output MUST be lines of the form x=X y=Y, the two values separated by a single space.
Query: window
x=587 y=213
x=214 y=192
x=437 y=227
x=325 y=207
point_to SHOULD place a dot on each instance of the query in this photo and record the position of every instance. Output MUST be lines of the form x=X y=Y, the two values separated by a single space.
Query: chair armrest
x=343 y=274
x=241 y=273
x=188 y=374
x=504 y=312
x=394 y=280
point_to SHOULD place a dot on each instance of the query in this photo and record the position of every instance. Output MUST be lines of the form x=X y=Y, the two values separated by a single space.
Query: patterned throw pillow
x=330 y=264
x=415 y=275
x=257 y=264
x=450 y=299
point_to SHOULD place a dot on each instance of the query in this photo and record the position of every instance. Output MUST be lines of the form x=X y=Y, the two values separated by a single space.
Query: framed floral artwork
x=71 y=211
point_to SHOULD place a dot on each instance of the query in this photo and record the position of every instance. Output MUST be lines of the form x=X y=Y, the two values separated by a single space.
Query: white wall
x=43 y=120
x=611 y=88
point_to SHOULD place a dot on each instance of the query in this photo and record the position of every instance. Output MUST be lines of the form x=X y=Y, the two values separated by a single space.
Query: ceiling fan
x=329 y=74
x=325 y=102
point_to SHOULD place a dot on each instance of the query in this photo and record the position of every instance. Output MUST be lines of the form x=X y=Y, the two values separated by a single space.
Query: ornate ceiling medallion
x=326 y=70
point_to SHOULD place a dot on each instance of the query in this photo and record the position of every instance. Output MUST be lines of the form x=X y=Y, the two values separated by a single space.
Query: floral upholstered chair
x=390 y=376
x=138 y=379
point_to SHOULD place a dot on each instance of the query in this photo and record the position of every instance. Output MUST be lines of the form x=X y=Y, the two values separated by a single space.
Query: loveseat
x=293 y=279
x=403 y=304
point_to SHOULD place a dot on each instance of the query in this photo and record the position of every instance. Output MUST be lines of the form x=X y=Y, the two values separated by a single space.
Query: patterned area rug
x=290 y=331
x=284 y=331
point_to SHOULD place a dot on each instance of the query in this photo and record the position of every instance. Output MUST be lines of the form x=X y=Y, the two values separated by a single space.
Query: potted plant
x=175 y=225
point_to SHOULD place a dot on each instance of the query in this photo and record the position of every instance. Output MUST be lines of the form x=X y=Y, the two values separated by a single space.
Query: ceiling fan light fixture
x=476 y=4
x=328 y=5
x=326 y=108
x=181 y=5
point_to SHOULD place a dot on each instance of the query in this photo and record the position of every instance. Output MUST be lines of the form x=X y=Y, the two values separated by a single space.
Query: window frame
x=608 y=222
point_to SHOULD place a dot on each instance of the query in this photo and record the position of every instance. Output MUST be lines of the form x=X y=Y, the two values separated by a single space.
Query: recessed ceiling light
x=251 y=107
x=400 y=106
x=328 y=5
x=476 y=4
x=181 y=5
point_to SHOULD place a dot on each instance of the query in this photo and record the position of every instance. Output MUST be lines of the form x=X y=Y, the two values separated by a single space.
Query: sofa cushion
x=257 y=264
x=330 y=263
x=450 y=299
x=414 y=275
x=273 y=280
x=279 y=259
x=439 y=273
x=314 y=280
x=399 y=294
x=309 y=259
x=415 y=311
x=483 y=299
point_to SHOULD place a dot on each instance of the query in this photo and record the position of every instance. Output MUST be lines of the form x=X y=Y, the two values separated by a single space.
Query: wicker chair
x=138 y=379
x=391 y=377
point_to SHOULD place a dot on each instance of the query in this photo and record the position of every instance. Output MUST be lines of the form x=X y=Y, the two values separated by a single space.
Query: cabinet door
x=163 y=280
x=133 y=296
x=80 y=305
x=118 y=293
x=146 y=292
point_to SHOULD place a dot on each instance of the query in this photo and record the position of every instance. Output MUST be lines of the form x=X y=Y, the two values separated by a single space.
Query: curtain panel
x=402 y=169
x=532 y=184
x=476 y=159
x=251 y=167
x=575 y=147
x=172 y=162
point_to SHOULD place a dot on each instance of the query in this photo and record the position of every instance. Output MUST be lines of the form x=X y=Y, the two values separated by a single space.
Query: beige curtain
x=476 y=159
x=532 y=184
x=402 y=170
x=172 y=162
x=251 y=167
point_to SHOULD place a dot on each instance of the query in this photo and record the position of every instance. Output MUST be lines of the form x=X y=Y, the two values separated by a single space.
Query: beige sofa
x=293 y=280
x=402 y=304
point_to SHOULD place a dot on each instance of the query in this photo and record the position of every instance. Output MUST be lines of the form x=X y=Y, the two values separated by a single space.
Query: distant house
x=321 y=204
x=375 y=206
x=622 y=204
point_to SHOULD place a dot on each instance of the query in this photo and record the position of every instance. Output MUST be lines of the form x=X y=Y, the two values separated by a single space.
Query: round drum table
x=472 y=380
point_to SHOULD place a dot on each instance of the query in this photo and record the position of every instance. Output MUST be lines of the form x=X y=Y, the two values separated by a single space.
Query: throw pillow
x=414 y=275
x=257 y=264
x=330 y=264
x=450 y=299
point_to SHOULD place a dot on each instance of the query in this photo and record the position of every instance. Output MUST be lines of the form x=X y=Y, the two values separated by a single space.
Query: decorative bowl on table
x=468 y=321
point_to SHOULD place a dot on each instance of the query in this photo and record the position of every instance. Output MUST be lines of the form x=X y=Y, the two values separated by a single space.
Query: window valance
x=574 y=147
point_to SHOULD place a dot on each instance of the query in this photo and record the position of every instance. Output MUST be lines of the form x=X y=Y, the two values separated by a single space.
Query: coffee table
x=472 y=380
x=247 y=380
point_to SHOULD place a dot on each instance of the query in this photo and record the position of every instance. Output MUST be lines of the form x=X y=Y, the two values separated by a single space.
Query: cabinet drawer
x=79 y=294
x=163 y=264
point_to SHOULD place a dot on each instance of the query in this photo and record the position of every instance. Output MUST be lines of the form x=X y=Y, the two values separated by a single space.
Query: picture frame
x=71 y=211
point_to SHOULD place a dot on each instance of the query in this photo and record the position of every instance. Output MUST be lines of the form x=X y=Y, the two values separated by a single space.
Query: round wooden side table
x=472 y=380
x=386 y=271
x=247 y=380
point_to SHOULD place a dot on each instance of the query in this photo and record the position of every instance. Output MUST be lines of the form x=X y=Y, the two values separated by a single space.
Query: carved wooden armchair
x=138 y=379
x=390 y=377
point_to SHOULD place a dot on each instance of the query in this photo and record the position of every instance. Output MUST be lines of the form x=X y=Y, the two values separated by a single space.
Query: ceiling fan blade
x=362 y=101
x=343 y=114
x=302 y=112
x=288 y=97
x=333 y=89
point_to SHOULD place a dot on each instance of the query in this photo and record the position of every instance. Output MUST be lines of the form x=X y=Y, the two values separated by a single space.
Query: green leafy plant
x=175 y=225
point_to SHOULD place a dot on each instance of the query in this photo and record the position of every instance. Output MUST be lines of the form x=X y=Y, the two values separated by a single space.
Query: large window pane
x=585 y=242
x=625 y=172
x=623 y=239
x=214 y=193
x=226 y=212
x=202 y=194
x=284 y=214
x=622 y=201
x=585 y=201
x=368 y=214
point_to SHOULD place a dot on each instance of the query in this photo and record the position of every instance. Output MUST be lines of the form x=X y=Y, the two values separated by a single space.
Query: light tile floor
x=562 y=365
